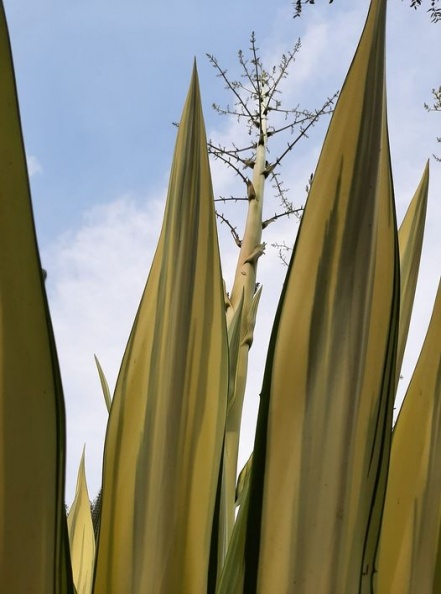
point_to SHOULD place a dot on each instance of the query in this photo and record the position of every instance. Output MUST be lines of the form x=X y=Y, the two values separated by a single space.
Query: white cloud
x=328 y=43
x=95 y=281
x=34 y=165
x=96 y=274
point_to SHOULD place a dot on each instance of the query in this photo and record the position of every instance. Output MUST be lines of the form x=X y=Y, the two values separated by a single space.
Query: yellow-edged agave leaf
x=34 y=556
x=243 y=481
x=81 y=535
x=437 y=576
x=232 y=576
x=410 y=530
x=229 y=462
x=104 y=384
x=240 y=337
x=233 y=349
x=166 y=426
x=96 y=513
x=410 y=241
x=325 y=418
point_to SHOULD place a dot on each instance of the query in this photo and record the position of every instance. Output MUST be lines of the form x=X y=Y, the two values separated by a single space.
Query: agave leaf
x=233 y=349
x=410 y=240
x=437 y=573
x=226 y=511
x=252 y=315
x=243 y=481
x=238 y=339
x=166 y=426
x=325 y=417
x=81 y=535
x=410 y=531
x=232 y=576
x=243 y=328
x=34 y=555
x=104 y=385
x=96 y=504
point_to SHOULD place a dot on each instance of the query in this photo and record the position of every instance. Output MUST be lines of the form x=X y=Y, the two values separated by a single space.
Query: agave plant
x=329 y=501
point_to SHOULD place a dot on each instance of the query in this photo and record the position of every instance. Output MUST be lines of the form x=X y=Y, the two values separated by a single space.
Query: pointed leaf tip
x=322 y=430
x=170 y=397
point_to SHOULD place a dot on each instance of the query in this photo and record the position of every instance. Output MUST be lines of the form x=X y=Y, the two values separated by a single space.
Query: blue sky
x=100 y=84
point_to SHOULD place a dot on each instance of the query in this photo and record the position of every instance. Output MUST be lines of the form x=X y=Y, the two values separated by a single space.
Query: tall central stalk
x=243 y=294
